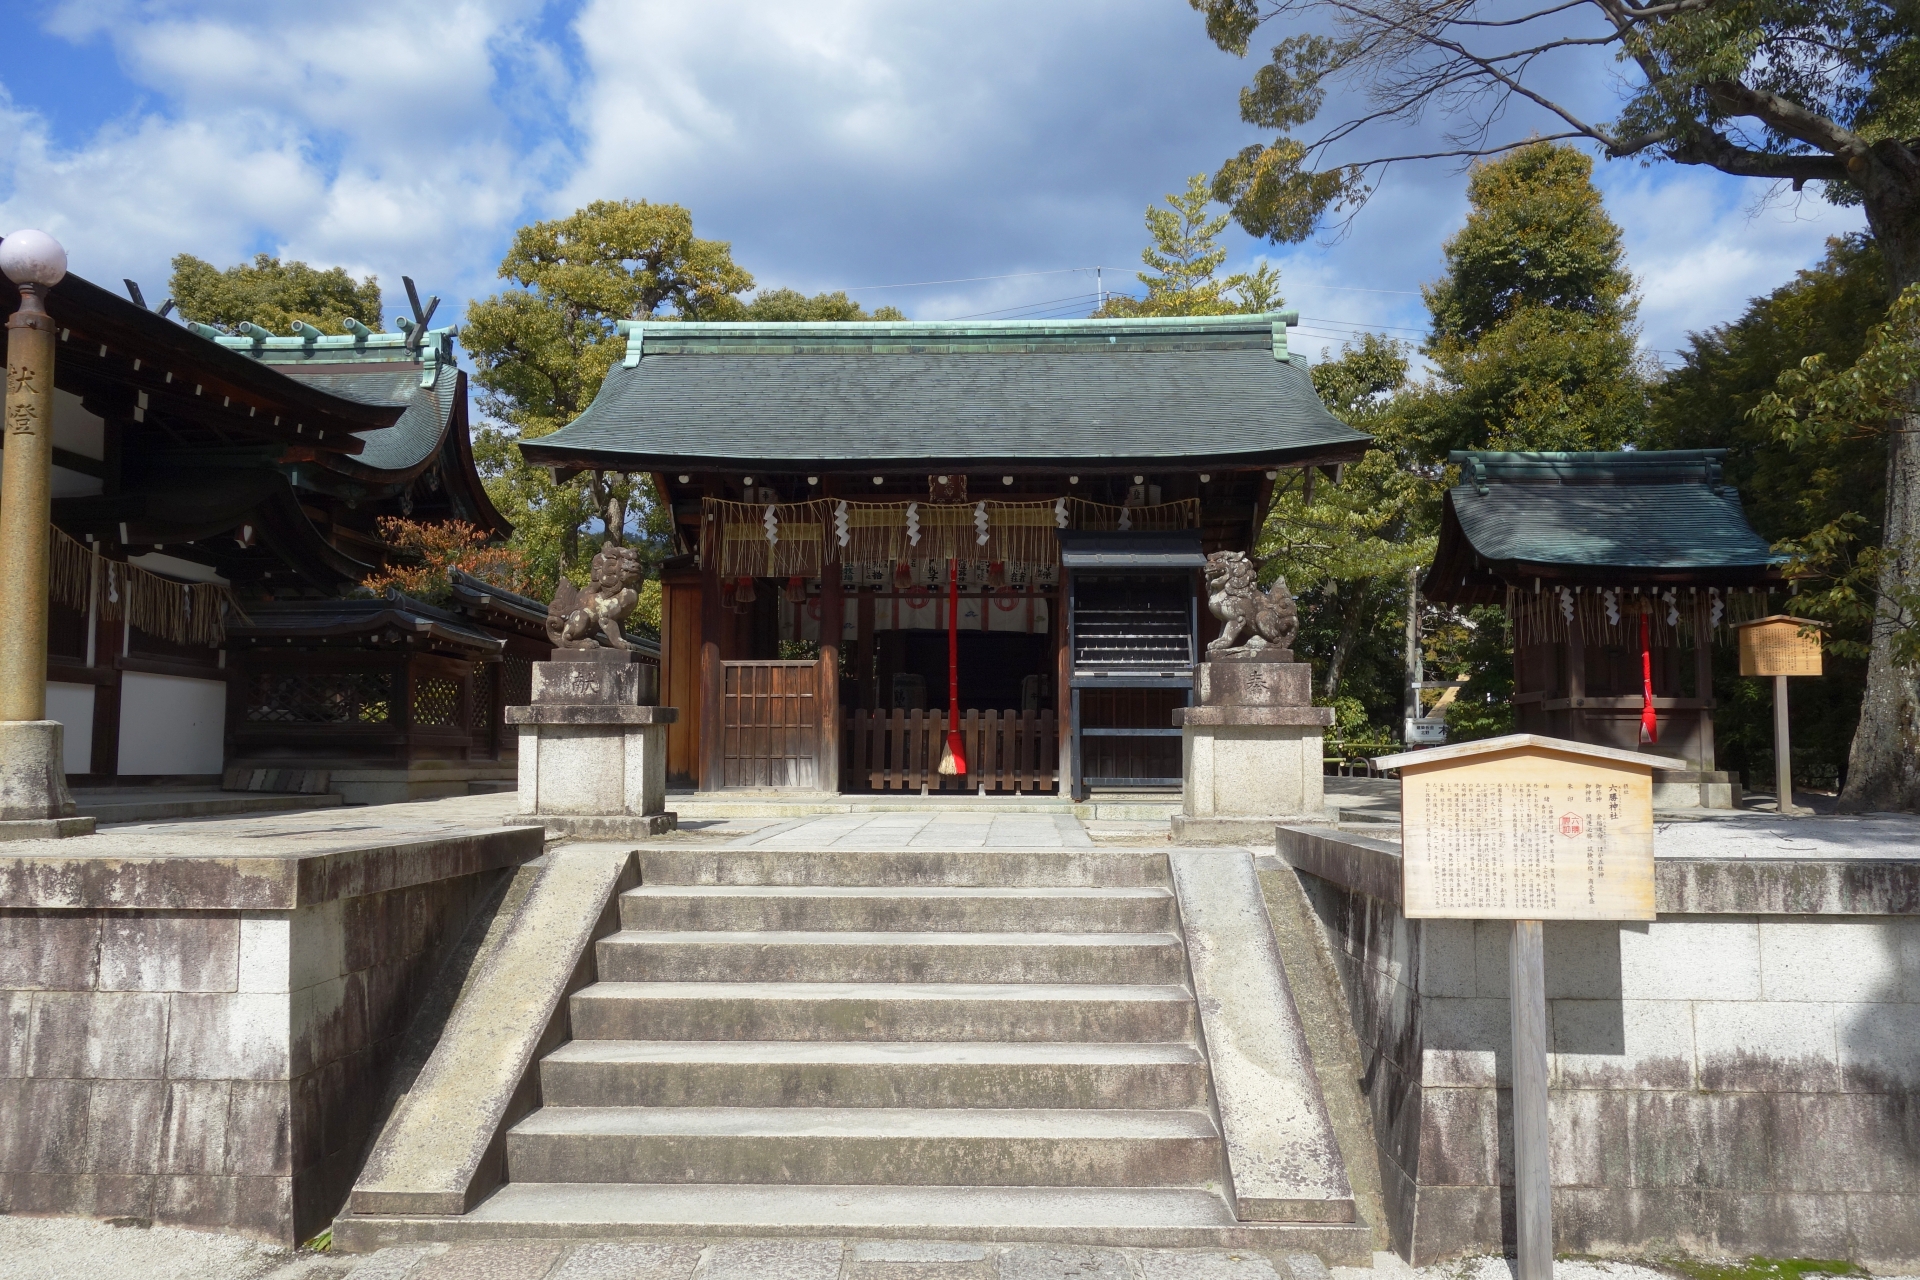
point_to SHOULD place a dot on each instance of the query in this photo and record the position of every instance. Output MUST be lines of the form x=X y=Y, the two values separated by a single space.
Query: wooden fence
x=900 y=751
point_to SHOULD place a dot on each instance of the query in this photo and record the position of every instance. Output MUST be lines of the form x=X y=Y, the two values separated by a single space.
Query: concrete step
x=1156 y=1216
x=654 y=1073
x=868 y=1011
x=958 y=868
x=777 y=956
x=1139 y=909
x=865 y=1146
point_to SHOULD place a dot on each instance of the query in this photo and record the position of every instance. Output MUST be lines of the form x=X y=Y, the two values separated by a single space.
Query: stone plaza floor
x=82 y=1249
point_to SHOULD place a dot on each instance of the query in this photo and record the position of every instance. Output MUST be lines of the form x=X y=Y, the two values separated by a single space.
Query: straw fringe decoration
x=1610 y=616
x=179 y=612
x=796 y=538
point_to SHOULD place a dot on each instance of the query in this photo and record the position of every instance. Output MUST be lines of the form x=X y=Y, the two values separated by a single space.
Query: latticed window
x=480 y=713
x=436 y=702
x=329 y=697
x=518 y=674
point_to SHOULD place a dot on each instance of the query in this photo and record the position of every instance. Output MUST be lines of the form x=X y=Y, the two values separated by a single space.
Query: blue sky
x=1002 y=149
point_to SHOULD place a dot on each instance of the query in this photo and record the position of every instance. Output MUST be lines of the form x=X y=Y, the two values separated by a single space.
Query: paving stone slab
x=624 y=1261
x=494 y=1260
x=1042 y=1262
x=774 y=1260
x=394 y=1264
x=1205 y=1266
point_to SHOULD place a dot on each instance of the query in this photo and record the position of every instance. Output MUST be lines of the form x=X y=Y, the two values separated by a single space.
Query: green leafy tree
x=1791 y=494
x=542 y=347
x=1185 y=260
x=791 y=304
x=1792 y=91
x=1346 y=552
x=273 y=294
x=1533 y=325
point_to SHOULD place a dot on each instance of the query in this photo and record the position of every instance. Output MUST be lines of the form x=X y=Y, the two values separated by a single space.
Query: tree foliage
x=1184 y=264
x=542 y=347
x=1790 y=494
x=1789 y=89
x=273 y=294
x=424 y=554
x=1818 y=406
x=1795 y=91
x=1533 y=335
x=791 y=304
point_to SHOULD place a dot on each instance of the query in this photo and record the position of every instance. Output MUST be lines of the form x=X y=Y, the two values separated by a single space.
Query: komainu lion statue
x=591 y=619
x=1266 y=620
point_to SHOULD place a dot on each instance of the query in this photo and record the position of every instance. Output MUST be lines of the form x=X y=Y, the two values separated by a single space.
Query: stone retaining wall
x=1735 y=1077
x=212 y=1067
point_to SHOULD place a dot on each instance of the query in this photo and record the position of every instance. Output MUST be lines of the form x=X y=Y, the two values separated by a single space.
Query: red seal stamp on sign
x=1569 y=824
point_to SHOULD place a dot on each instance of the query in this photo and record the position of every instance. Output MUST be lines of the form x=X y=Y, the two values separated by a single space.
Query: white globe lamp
x=33 y=257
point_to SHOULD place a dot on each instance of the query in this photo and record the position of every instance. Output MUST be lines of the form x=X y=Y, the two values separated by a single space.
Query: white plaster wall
x=171 y=724
x=72 y=706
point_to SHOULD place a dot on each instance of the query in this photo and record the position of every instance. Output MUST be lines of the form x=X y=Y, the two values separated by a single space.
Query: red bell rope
x=1649 y=726
x=954 y=762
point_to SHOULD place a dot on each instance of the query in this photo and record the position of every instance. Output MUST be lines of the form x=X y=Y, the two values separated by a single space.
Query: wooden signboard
x=1779 y=646
x=1527 y=828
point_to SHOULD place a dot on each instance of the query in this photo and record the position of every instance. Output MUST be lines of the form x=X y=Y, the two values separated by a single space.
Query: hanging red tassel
x=1649 y=726
x=953 y=760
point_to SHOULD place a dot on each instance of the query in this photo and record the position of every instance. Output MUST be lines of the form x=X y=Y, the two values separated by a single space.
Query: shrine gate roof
x=915 y=395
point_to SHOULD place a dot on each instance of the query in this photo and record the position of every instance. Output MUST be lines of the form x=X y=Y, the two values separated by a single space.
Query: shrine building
x=1617 y=572
x=216 y=498
x=832 y=486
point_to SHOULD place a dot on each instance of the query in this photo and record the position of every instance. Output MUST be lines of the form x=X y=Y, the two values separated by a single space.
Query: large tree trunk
x=1883 y=766
x=1353 y=607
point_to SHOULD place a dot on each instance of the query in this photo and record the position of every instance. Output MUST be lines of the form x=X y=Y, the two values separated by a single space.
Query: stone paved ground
x=82 y=1249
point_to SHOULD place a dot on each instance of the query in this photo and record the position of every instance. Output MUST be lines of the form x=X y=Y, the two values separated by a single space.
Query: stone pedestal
x=593 y=752
x=1252 y=751
x=34 y=801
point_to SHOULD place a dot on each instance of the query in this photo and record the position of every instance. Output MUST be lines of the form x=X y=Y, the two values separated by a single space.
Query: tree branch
x=1713 y=150
x=1784 y=116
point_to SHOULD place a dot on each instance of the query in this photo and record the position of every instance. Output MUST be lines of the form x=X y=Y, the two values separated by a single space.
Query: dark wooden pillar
x=713 y=620
x=1577 y=679
x=832 y=613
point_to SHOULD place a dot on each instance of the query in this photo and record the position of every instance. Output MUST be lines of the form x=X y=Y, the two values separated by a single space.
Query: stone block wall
x=1722 y=1082
x=210 y=1068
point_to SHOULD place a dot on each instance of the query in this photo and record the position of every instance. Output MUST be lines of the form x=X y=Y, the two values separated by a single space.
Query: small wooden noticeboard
x=1779 y=646
x=1527 y=827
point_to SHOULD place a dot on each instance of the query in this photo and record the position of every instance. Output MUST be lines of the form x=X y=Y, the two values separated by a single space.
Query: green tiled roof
x=1634 y=511
x=1122 y=392
x=374 y=368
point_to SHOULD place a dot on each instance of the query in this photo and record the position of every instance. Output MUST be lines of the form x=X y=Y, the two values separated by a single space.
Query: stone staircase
x=987 y=1044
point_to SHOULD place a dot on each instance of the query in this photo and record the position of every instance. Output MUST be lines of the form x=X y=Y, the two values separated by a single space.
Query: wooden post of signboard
x=1780 y=646
x=1528 y=829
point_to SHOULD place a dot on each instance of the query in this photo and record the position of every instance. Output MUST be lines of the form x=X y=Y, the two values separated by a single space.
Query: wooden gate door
x=770 y=724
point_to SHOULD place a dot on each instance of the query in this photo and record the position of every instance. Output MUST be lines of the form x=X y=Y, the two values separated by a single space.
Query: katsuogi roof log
x=1023 y=395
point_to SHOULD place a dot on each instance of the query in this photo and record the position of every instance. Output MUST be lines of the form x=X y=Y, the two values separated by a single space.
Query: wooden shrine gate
x=900 y=751
x=765 y=730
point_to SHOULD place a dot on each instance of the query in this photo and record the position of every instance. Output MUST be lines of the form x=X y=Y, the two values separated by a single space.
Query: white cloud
x=1702 y=243
x=837 y=143
x=361 y=135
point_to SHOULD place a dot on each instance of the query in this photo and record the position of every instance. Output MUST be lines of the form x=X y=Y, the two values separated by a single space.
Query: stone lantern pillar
x=34 y=801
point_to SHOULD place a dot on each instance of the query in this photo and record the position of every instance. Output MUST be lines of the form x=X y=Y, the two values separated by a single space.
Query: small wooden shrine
x=1617 y=571
x=838 y=489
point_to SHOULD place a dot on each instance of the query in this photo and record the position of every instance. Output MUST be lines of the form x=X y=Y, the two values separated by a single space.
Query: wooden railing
x=1010 y=751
